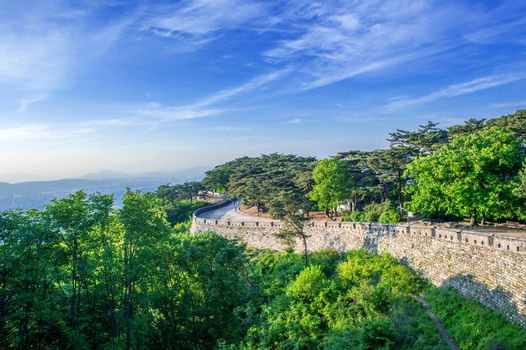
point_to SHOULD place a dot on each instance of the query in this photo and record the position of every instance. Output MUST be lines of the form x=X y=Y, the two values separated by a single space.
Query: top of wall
x=490 y=240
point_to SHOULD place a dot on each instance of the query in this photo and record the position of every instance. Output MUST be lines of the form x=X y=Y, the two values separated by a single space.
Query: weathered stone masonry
x=484 y=266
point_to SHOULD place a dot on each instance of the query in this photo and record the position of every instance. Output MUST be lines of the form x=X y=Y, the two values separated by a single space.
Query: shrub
x=376 y=212
x=472 y=325
x=373 y=211
x=377 y=334
x=309 y=283
x=354 y=216
x=390 y=216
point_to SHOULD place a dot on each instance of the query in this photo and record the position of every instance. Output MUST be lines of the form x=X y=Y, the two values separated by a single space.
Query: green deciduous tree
x=520 y=190
x=146 y=231
x=203 y=284
x=332 y=184
x=75 y=218
x=471 y=176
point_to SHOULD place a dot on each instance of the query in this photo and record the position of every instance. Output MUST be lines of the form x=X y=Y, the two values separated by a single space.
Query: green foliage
x=377 y=334
x=179 y=212
x=472 y=325
x=375 y=212
x=520 y=190
x=515 y=122
x=390 y=216
x=137 y=285
x=424 y=141
x=204 y=283
x=470 y=176
x=218 y=178
x=463 y=157
x=264 y=181
x=309 y=283
x=363 y=303
x=332 y=183
x=332 y=304
x=470 y=126
x=83 y=275
x=355 y=216
x=180 y=192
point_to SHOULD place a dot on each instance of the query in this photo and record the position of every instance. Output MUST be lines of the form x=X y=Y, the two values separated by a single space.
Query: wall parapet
x=468 y=237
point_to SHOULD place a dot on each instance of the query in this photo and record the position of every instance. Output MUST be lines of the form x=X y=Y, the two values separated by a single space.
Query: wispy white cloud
x=322 y=43
x=173 y=113
x=37 y=132
x=340 y=40
x=295 y=121
x=506 y=24
x=258 y=82
x=228 y=128
x=198 y=21
x=458 y=89
x=204 y=107
x=26 y=102
x=32 y=61
x=42 y=48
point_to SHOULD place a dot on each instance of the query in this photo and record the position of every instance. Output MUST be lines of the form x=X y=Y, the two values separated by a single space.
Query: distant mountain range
x=36 y=194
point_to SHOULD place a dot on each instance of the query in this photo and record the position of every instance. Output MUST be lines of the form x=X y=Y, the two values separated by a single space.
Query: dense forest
x=84 y=274
x=475 y=170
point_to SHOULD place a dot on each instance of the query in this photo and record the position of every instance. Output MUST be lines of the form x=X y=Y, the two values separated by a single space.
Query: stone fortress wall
x=487 y=267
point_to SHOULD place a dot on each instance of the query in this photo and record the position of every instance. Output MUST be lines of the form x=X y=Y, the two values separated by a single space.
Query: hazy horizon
x=102 y=174
x=141 y=86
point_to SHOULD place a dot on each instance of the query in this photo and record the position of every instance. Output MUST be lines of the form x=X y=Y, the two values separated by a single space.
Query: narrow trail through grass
x=443 y=332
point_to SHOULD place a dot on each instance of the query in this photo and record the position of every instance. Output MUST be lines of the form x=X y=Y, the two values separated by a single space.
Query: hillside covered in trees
x=81 y=275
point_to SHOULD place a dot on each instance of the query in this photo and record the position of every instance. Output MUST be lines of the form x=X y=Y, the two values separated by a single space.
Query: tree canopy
x=260 y=181
x=332 y=184
x=471 y=176
x=83 y=275
x=380 y=180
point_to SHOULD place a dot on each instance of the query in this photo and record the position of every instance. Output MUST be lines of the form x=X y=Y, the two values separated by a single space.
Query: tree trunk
x=335 y=213
x=327 y=213
x=73 y=299
x=383 y=193
x=473 y=221
x=399 y=195
x=483 y=219
x=305 y=250
x=112 y=317
x=128 y=323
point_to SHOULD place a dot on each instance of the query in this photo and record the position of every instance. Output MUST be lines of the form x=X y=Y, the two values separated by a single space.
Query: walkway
x=232 y=213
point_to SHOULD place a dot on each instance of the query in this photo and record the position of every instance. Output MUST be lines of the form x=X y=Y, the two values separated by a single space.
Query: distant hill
x=36 y=194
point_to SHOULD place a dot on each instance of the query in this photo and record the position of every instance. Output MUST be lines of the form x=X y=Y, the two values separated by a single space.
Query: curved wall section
x=488 y=267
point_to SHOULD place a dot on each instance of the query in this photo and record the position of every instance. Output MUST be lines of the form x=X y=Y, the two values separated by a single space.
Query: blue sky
x=165 y=85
